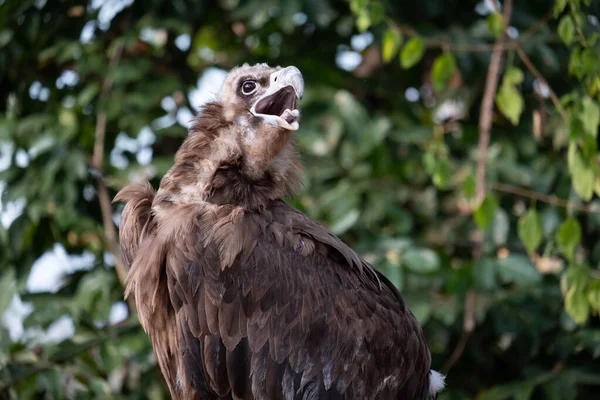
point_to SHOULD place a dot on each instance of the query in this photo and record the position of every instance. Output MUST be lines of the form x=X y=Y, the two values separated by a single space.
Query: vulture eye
x=248 y=87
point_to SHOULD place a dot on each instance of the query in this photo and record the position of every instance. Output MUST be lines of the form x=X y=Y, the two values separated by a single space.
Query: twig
x=584 y=42
x=468 y=328
x=97 y=161
x=457 y=352
x=508 y=45
x=485 y=125
x=467 y=47
x=468 y=324
x=530 y=65
x=533 y=29
x=542 y=80
x=550 y=199
x=487 y=108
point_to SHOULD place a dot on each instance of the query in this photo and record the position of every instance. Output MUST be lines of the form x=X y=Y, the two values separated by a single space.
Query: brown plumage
x=245 y=297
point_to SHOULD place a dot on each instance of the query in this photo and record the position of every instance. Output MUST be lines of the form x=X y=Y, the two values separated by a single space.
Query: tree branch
x=97 y=160
x=542 y=80
x=467 y=47
x=485 y=126
x=505 y=45
x=487 y=108
x=550 y=199
x=468 y=327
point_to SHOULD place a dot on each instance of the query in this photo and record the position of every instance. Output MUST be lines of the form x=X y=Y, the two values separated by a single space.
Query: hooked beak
x=277 y=105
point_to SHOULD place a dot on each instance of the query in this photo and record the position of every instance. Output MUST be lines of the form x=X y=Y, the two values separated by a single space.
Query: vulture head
x=240 y=150
x=264 y=97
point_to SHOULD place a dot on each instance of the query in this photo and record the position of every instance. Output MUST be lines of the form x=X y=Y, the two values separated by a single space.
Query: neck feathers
x=244 y=163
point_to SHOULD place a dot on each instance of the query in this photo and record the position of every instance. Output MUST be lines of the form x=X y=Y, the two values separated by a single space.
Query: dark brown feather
x=135 y=219
x=346 y=324
x=245 y=297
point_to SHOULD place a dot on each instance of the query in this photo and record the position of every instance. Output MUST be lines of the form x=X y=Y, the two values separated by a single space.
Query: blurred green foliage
x=390 y=147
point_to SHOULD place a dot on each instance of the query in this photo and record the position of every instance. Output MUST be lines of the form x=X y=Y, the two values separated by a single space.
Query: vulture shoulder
x=245 y=304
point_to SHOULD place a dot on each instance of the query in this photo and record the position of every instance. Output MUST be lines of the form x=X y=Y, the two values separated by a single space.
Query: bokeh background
x=453 y=143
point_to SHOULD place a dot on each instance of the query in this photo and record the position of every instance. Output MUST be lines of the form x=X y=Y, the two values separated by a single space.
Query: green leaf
x=376 y=12
x=519 y=270
x=68 y=119
x=593 y=39
x=577 y=277
x=521 y=390
x=572 y=155
x=593 y=295
x=576 y=129
x=421 y=260
x=559 y=6
x=582 y=174
x=88 y=93
x=363 y=21
x=524 y=391
x=576 y=63
x=412 y=52
x=550 y=221
x=441 y=174
x=392 y=39
x=442 y=70
x=566 y=29
x=590 y=116
x=469 y=186
x=484 y=274
x=429 y=161
x=346 y=222
x=597 y=186
x=484 y=216
x=357 y=5
x=501 y=228
x=577 y=306
x=568 y=237
x=510 y=102
x=513 y=76
x=93 y=293
x=530 y=230
x=8 y=288
x=5 y=37
x=590 y=59
x=495 y=24
x=590 y=339
x=395 y=274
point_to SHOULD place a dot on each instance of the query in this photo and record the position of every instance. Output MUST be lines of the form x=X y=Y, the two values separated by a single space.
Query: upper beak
x=289 y=76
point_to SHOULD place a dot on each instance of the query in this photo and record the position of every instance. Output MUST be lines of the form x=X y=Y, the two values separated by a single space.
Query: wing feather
x=136 y=219
x=293 y=313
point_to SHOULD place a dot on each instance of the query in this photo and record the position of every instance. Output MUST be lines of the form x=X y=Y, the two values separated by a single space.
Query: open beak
x=277 y=105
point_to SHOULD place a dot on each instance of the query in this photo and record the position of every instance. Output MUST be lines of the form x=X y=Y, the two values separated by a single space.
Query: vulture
x=242 y=295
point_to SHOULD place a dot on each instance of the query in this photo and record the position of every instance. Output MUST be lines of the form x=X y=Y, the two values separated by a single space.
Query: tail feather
x=436 y=383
